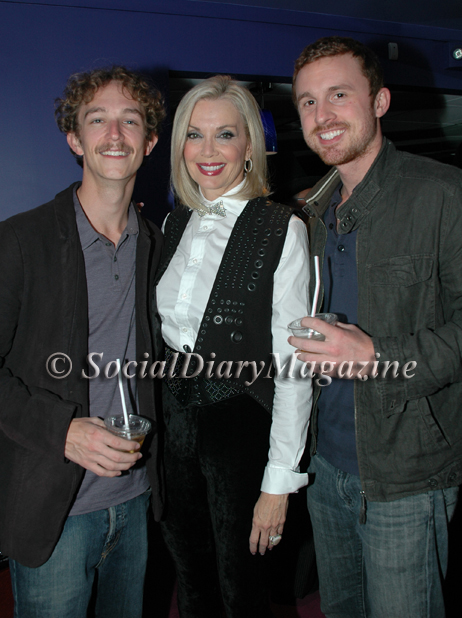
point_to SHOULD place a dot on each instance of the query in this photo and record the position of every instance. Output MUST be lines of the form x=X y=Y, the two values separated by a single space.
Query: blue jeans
x=393 y=565
x=112 y=543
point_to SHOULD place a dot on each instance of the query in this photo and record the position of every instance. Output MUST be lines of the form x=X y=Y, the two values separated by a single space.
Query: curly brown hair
x=82 y=87
x=329 y=46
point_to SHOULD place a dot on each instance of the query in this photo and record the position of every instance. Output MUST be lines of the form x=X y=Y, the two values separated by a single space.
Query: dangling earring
x=248 y=166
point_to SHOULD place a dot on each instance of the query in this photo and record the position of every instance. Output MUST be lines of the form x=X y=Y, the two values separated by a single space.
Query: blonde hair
x=214 y=88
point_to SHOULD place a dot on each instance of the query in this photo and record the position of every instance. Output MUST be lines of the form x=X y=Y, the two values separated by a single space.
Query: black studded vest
x=236 y=325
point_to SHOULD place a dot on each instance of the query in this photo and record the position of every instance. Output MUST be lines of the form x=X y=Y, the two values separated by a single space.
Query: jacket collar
x=65 y=212
x=361 y=201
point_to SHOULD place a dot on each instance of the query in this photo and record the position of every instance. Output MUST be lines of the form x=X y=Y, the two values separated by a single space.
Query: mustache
x=323 y=128
x=116 y=146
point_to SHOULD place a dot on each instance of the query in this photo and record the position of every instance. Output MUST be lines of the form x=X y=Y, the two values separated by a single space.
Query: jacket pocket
x=404 y=270
x=401 y=295
x=439 y=437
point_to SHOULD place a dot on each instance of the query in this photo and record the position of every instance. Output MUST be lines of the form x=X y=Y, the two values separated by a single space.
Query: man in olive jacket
x=387 y=446
x=76 y=280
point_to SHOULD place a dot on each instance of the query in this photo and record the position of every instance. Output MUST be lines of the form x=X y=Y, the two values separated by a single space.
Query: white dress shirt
x=183 y=293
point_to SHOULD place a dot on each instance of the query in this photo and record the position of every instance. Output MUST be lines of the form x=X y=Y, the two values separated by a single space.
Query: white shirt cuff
x=282 y=480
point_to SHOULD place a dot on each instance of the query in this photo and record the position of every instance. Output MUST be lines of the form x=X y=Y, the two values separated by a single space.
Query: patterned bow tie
x=214 y=209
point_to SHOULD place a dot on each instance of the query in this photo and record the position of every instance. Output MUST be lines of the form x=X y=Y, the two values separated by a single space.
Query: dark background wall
x=42 y=43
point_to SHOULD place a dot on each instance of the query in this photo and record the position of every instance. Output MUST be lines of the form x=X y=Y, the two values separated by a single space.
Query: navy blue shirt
x=336 y=424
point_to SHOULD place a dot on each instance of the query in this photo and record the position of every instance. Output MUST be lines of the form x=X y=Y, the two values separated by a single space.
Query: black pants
x=215 y=456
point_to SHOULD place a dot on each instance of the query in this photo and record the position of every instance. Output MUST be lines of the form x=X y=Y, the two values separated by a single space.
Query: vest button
x=236 y=336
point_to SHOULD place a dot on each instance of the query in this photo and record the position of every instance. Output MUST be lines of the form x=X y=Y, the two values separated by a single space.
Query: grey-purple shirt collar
x=88 y=235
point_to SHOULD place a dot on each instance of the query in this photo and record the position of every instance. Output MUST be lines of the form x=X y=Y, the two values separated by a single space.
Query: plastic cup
x=138 y=428
x=309 y=333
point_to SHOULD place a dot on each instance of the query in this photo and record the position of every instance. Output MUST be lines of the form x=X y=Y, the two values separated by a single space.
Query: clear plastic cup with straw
x=127 y=426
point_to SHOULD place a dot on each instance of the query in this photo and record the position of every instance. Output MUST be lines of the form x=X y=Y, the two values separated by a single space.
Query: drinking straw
x=122 y=396
x=317 y=287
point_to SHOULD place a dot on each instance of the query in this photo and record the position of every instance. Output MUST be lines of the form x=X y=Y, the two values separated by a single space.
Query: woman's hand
x=268 y=520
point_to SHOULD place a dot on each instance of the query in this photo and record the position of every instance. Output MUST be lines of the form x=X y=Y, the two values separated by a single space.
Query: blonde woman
x=234 y=274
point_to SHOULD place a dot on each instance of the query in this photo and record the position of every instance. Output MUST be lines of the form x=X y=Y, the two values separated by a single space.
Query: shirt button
x=184 y=329
x=331 y=226
x=184 y=296
x=116 y=277
x=115 y=258
x=195 y=261
x=205 y=227
x=341 y=248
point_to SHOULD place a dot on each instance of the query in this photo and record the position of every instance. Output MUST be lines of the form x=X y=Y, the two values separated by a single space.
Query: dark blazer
x=44 y=310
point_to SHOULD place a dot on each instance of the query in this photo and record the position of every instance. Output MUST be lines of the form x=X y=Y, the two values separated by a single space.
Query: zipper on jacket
x=362 y=493
x=363 y=508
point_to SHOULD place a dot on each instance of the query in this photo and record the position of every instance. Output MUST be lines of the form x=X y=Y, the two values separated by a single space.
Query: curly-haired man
x=76 y=289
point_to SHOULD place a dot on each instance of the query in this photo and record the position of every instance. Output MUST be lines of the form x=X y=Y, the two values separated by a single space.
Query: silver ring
x=275 y=539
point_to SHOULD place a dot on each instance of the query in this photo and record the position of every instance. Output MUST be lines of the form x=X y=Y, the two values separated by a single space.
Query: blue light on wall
x=271 y=140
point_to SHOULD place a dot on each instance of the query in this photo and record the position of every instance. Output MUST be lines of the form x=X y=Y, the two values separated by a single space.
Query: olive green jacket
x=408 y=212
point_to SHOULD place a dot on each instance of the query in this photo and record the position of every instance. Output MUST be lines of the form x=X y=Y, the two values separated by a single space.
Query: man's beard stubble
x=334 y=155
